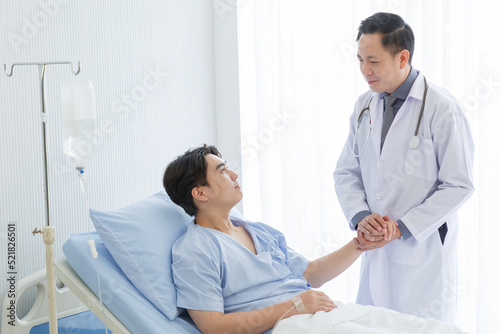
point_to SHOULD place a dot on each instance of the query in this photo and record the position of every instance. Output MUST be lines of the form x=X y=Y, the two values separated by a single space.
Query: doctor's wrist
x=403 y=230
x=398 y=234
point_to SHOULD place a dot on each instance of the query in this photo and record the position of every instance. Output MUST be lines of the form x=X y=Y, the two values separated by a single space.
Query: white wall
x=227 y=86
x=152 y=66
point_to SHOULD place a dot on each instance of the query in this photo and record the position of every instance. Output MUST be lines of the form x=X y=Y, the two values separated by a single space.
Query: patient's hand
x=315 y=301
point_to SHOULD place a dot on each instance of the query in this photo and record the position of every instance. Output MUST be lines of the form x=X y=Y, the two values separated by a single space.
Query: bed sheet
x=355 y=318
x=118 y=293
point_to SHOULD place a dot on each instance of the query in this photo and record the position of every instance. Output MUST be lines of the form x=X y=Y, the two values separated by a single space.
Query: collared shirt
x=402 y=91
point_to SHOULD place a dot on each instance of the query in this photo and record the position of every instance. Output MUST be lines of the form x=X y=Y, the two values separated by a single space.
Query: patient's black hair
x=397 y=35
x=186 y=172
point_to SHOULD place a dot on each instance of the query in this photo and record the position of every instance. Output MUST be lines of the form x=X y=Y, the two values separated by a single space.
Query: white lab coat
x=423 y=187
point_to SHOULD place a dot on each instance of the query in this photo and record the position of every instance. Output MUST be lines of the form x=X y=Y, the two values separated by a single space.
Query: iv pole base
x=48 y=239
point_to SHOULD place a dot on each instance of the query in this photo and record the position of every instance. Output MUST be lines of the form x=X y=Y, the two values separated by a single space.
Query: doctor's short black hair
x=186 y=172
x=397 y=35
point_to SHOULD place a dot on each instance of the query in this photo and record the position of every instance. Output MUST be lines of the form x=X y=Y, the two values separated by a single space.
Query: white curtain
x=299 y=79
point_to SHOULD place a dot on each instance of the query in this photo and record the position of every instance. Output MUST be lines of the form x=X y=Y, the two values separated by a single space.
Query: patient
x=233 y=275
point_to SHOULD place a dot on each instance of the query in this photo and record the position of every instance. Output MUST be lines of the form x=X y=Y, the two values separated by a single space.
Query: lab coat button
x=378 y=196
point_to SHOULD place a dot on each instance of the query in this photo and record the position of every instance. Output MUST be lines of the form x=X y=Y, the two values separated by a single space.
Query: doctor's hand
x=376 y=228
x=364 y=244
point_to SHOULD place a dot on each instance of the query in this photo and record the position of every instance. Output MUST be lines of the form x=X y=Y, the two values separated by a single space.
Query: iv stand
x=48 y=230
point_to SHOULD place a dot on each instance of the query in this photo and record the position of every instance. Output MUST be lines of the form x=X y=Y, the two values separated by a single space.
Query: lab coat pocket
x=421 y=161
x=407 y=252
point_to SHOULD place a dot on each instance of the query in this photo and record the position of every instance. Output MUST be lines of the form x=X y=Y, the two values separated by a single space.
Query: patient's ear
x=198 y=194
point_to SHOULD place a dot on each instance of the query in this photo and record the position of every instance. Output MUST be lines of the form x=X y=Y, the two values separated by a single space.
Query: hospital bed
x=126 y=310
x=74 y=316
x=133 y=271
x=76 y=301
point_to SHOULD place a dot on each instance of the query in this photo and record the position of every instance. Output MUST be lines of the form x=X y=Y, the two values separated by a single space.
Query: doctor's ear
x=404 y=57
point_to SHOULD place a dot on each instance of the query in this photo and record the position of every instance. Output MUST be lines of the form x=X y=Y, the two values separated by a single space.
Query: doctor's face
x=382 y=71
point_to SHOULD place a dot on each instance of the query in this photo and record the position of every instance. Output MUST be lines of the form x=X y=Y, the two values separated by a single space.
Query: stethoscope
x=414 y=140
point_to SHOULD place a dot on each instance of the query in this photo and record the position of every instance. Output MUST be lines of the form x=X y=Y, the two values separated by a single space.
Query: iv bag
x=78 y=119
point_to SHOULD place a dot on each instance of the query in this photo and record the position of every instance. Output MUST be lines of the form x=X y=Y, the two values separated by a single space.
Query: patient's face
x=223 y=189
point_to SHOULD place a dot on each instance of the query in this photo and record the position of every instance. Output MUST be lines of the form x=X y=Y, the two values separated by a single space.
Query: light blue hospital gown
x=214 y=272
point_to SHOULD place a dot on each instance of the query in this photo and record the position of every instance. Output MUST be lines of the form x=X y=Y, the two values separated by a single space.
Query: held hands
x=374 y=226
x=375 y=231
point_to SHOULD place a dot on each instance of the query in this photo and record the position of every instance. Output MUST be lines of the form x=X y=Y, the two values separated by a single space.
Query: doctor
x=409 y=156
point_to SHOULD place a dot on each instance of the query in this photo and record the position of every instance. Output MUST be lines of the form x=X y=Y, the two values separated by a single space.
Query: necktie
x=388 y=116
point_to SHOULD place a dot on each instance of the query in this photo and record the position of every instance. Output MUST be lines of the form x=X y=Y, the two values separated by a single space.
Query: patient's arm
x=330 y=266
x=258 y=321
